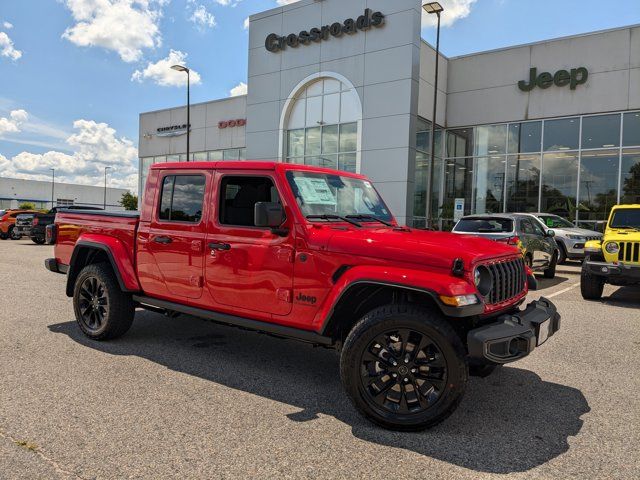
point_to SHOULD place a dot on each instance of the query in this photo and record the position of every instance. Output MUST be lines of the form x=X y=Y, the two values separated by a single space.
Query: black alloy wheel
x=403 y=372
x=404 y=367
x=94 y=304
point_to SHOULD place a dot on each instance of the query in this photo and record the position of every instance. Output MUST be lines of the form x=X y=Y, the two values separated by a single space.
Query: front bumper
x=613 y=271
x=513 y=336
x=24 y=231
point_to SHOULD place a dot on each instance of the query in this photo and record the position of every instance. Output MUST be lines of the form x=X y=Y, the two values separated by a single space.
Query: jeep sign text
x=274 y=43
x=573 y=78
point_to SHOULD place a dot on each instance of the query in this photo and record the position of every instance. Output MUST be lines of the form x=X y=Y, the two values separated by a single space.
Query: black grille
x=589 y=239
x=629 y=252
x=509 y=279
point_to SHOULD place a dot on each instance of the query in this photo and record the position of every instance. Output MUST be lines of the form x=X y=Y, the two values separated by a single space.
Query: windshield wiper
x=371 y=217
x=334 y=217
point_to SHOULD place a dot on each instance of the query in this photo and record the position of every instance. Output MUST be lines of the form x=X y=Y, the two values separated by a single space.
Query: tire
x=13 y=235
x=591 y=286
x=551 y=271
x=430 y=370
x=38 y=240
x=528 y=260
x=4 y=236
x=562 y=254
x=103 y=311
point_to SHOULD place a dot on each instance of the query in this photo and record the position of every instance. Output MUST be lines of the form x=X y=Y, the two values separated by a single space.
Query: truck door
x=247 y=267
x=176 y=234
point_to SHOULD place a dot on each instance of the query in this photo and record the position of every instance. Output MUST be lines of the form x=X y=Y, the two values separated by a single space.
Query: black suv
x=41 y=220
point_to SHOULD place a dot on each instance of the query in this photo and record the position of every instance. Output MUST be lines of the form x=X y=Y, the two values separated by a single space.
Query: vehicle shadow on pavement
x=626 y=297
x=511 y=421
x=544 y=283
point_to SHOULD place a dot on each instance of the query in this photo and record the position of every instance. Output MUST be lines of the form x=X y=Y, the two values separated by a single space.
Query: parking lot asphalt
x=185 y=398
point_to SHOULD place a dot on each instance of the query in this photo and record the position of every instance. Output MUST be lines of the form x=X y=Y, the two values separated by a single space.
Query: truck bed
x=74 y=225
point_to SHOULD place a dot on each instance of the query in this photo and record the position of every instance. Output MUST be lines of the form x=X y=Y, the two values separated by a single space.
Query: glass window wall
x=560 y=184
x=599 y=172
x=631 y=129
x=601 y=131
x=525 y=137
x=630 y=178
x=523 y=183
x=562 y=134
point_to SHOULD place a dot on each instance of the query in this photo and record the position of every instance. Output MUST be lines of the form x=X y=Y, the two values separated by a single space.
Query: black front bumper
x=613 y=271
x=513 y=336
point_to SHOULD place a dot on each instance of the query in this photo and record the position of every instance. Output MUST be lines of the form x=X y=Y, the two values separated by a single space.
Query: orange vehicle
x=8 y=222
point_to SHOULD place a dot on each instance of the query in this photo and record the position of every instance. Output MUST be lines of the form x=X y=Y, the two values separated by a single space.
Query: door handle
x=220 y=246
x=163 y=240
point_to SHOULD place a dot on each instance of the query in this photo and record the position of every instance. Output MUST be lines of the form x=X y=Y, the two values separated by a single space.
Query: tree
x=26 y=206
x=129 y=201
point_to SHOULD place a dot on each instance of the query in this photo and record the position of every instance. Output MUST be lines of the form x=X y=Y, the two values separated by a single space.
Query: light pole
x=182 y=68
x=433 y=8
x=105 y=187
x=53 y=183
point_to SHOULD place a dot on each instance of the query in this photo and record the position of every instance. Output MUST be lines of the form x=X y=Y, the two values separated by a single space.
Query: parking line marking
x=564 y=290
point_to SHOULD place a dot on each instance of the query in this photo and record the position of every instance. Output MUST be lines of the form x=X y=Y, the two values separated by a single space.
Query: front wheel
x=551 y=271
x=591 y=286
x=404 y=367
x=38 y=240
x=13 y=234
x=103 y=311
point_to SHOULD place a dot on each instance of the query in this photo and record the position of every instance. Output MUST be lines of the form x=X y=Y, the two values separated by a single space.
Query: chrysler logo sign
x=172 y=131
x=275 y=43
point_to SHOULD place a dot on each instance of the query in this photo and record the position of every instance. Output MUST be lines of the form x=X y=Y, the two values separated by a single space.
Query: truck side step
x=157 y=305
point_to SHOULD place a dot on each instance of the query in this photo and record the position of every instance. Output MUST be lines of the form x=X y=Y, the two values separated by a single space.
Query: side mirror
x=551 y=233
x=269 y=215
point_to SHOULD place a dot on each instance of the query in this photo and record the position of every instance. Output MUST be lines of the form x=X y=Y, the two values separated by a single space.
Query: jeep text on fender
x=315 y=255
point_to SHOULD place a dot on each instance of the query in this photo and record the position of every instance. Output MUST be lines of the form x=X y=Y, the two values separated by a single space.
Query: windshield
x=554 y=221
x=484 y=225
x=625 y=219
x=327 y=194
x=3 y=213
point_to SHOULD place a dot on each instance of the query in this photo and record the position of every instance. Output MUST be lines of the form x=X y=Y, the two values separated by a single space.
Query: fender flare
x=118 y=257
x=429 y=283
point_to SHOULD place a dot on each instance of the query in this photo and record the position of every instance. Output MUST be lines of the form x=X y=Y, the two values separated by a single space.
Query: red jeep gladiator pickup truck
x=315 y=255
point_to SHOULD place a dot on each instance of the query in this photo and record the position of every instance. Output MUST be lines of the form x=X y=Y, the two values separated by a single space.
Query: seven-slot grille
x=508 y=280
x=629 y=252
x=589 y=239
x=24 y=221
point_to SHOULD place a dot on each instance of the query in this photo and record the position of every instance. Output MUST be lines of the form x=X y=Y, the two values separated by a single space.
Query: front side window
x=326 y=194
x=553 y=221
x=182 y=198
x=238 y=198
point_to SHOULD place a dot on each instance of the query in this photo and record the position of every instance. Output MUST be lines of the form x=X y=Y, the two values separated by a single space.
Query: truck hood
x=622 y=235
x=437 y=249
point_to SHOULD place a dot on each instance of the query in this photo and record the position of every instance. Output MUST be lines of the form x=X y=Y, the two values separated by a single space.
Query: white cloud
x=240 y=89
x=94 y=146
x=162 y=74
x=454 y=10
x=202 y=18
x=226 y=3
x=286 y=2
x=13 y=122
x=7 y=49
x=7 y=25
x=245 y=24
x=124 y=26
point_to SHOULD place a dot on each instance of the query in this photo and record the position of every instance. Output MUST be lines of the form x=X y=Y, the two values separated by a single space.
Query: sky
x=75 y=74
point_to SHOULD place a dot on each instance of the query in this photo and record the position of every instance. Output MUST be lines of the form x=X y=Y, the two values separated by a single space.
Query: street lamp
x=53 y=183
x=433 y=8
x=182 y=68
x=105 y=187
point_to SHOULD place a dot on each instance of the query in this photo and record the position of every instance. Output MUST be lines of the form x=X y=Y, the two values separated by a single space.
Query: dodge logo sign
x=241 y=122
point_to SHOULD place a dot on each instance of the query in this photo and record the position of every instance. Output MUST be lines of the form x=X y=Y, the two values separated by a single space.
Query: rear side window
x=239 y=195
x=485 y=225
x=527 y=227
x=182 y=198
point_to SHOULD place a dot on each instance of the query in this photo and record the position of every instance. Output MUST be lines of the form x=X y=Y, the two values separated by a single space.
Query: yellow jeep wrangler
x=616 y=258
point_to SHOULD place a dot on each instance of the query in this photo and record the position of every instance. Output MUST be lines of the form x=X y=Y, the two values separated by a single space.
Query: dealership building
x=550 y=126
x=46 y=195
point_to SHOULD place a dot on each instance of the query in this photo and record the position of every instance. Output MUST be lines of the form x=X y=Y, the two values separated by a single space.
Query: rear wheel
x=404 y=367
x=591 y=286
x=13 y=234
x=38 y=240
x=103 y=311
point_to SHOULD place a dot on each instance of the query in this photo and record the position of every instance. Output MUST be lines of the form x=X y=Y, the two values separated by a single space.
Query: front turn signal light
x=459 y=300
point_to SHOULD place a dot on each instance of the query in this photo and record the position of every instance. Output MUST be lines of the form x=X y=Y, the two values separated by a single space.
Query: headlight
x=612 y=247
x=577 y=237
x=483 y=280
